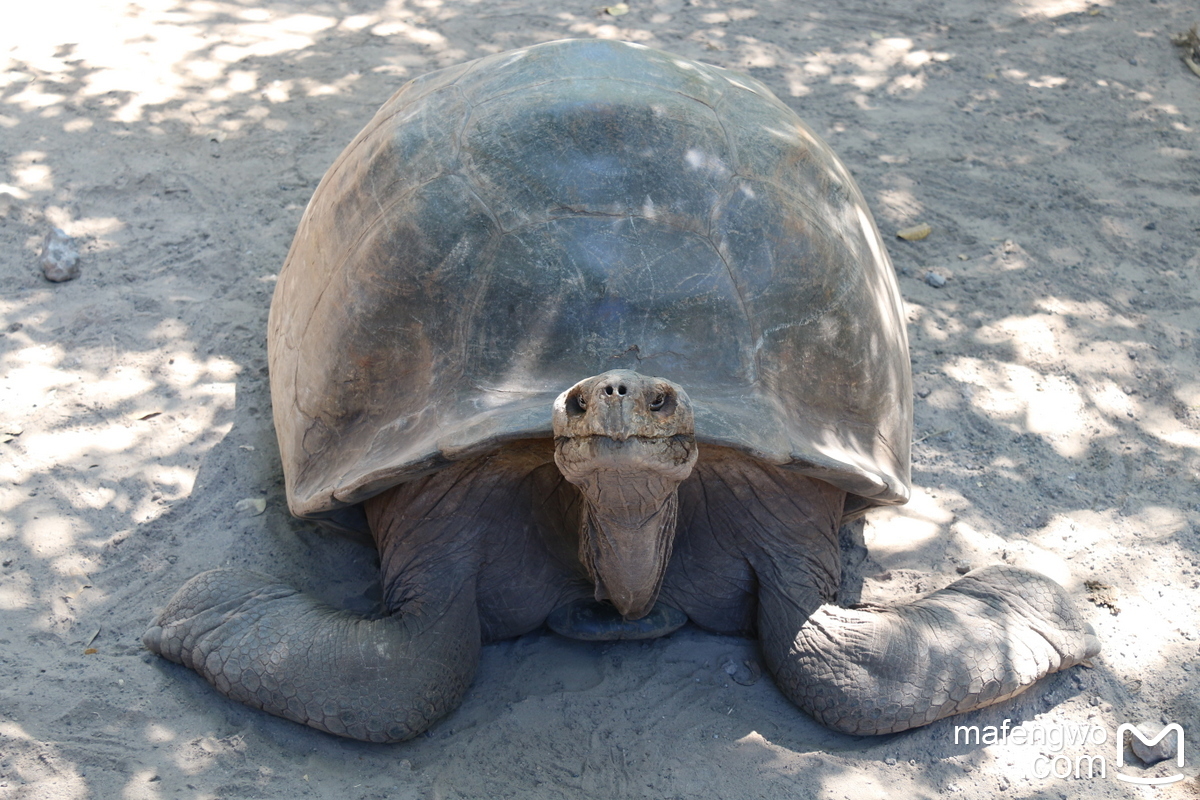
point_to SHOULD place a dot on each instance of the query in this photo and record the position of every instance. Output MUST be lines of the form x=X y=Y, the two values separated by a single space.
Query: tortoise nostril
x=608 y=390
x=621 y=389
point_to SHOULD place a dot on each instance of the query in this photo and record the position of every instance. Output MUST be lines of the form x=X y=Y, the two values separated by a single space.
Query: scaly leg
x=866 y=670
x=271 y=647
x=384 y=680
x=985 y=638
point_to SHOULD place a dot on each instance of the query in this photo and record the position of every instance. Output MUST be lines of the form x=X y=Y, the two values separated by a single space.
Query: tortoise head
x=627 y=441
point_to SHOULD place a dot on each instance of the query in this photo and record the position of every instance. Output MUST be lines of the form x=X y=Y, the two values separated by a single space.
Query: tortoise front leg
x=384 y=680
x=271 y=647
x=867 y=670
x=985 y=638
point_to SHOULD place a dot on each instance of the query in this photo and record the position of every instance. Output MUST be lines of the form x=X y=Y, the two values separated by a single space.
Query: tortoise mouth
x=581 y=459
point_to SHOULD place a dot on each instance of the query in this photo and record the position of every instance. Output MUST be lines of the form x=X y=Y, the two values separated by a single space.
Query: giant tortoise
x=591 y=335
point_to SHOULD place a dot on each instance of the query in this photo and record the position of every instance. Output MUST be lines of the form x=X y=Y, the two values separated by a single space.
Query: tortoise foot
x=983 y=639
x=269 y=646
x=594 y=621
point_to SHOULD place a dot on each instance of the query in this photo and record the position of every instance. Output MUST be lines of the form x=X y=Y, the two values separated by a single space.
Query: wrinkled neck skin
x=627 y=441
x=626 y=533
x=637 y=548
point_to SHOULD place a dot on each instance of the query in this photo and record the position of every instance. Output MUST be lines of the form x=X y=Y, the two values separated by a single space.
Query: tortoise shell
x=509 y=226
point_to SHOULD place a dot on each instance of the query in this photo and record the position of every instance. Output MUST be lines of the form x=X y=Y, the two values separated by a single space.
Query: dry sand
x=1051 y=144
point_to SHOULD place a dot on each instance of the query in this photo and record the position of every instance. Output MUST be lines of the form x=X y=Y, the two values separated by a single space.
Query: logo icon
x=1133 y=729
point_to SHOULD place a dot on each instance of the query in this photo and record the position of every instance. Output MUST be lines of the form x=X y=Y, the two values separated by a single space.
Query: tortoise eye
x=576 y=405
x=663 y=403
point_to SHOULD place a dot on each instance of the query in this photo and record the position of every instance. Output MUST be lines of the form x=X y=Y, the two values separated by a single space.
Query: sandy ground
x=1052 y=146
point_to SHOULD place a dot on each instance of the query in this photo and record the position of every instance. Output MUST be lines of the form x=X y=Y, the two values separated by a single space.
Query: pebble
x=1161 y=751
x=747 y=672
x=60 y=258
x=935 y=280
x=250 y=506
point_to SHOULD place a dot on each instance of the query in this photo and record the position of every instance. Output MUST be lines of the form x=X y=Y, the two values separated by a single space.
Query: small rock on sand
x=60 y=258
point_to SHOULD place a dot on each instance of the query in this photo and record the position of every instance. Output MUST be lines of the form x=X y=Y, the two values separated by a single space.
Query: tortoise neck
x=626 y=546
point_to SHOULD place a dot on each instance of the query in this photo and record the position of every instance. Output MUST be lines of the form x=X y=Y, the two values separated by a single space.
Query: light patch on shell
x=740 y=85
x=787 y=135
x=512 y=58
x=887 y=308
x=698 y=159
x=648 y=210
x=808 y=136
